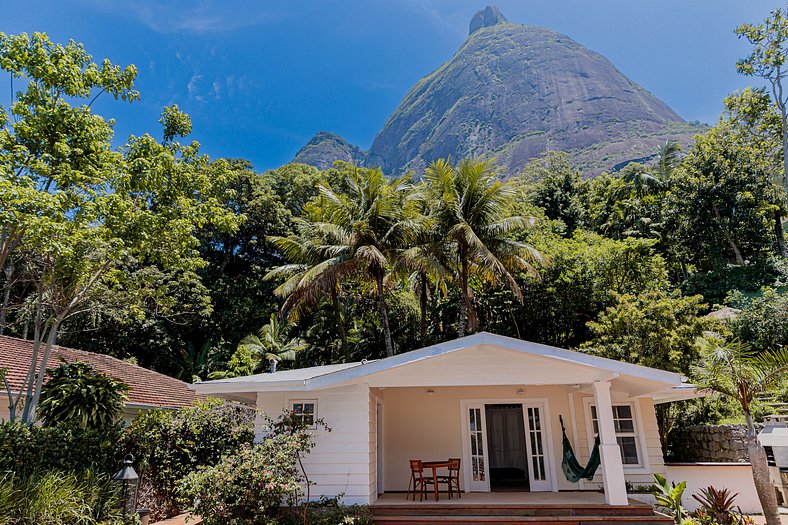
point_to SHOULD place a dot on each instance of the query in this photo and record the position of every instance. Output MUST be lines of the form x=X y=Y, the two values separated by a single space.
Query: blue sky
x=259 y=78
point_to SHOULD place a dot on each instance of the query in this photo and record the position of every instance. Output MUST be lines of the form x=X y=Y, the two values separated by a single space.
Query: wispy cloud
x=195 y=16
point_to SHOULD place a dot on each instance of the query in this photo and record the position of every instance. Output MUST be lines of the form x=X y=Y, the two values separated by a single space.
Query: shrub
x=717 y=508
x=168 y=444
x=78 y=394
x=328 y=512
x=66 y=448
x=249 y=487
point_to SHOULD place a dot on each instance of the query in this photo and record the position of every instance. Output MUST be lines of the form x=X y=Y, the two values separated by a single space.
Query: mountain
x=515 y=91
x=324 y=148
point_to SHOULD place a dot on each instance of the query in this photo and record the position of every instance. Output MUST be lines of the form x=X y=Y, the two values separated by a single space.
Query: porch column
x=610 y=453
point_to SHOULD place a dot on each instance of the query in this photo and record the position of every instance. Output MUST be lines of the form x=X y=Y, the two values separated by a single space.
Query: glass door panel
x=477 y=476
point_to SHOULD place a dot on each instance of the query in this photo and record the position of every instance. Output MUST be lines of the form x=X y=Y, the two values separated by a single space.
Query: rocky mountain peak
x=489 y=16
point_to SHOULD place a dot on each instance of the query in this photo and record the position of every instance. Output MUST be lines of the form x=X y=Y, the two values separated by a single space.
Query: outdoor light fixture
x=128 y=481
x=520 y=391
x=430 y=391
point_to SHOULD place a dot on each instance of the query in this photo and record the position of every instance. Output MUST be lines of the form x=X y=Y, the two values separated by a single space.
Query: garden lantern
x=128 y=481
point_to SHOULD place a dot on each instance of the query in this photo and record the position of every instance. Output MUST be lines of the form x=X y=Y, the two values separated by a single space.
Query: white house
x=491 y=400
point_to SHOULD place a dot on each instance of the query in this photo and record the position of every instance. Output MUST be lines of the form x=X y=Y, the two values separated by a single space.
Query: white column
x=612 y=467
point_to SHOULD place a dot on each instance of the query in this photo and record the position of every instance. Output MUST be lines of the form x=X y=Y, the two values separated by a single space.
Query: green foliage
x=249 y=485
x=69 y=448
x=557 y=189
x=717 y=508
x=653 y=329
x=77 y=394
x=257 y=351
x=168 y=444
x=669 y=496
x=763 y=320
x=58 y=498
x=328 y=511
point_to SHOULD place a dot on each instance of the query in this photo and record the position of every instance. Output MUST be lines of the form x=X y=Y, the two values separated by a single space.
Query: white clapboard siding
x=341 y=462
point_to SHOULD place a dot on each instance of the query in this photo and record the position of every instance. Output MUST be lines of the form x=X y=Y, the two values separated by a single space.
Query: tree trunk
x=423 y=306
x=42 y=370
x=728 y=237
x=9 y=273
x=384 y=316
x=340 y=322
x=31 y=373
x=778 y=234
x=760 y=475
x=784 y=122
x=463 y=299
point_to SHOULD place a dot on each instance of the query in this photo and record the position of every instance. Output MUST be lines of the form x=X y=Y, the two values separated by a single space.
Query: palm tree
x=272 y=344
x=316 y=265
x=356 y=232
x=474 y=211
x=641 y=178
x=736 y=371
x=424 y=260
x=367 y=218
x=668 y=158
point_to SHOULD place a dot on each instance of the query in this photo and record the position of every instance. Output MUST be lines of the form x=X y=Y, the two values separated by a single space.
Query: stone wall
x=709 y=443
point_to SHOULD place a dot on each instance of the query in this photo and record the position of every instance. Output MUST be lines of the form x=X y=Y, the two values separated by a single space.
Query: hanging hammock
x=571 y=467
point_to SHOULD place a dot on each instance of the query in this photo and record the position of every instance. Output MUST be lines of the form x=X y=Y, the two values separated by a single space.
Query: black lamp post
x=128 y=481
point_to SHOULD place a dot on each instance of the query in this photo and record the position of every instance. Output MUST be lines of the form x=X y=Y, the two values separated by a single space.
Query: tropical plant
x=271 y=345
x=474 y=211
x=77 y=393
x=734 y=370
x=353 y=231
x=196 y=363
x=717 y=507
x=668 y=159
x=668 y=496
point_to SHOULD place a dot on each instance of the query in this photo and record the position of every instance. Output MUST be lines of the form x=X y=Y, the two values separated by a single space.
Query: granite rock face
x=489 y=16
x=325 y=148
x=513 y=92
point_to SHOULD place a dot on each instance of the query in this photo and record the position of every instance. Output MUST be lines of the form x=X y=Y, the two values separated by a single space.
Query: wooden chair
x=417 y=480
x=453 y=479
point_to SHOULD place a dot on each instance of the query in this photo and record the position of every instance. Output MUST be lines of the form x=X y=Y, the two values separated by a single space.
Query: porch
x=566 y=508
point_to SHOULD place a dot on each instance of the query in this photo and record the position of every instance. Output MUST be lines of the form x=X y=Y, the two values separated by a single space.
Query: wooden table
x=435 y=465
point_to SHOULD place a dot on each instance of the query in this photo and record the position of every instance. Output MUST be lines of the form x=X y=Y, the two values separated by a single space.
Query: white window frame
x=642 y=466
x=291 y=408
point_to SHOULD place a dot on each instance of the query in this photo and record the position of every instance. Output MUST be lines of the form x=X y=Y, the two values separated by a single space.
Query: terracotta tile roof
x=148 y=388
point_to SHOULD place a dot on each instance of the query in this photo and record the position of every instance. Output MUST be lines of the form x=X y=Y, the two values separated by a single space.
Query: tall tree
x=735 y=371
x=98 y=213
x=768 y=61
x=353 y=229
x=475 y=211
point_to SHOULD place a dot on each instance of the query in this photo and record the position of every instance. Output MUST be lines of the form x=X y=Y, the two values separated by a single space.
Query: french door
x=477 y=470
x=477 y=467
x=536 y=444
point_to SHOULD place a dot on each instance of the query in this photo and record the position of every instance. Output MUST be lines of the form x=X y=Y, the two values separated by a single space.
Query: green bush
x=251 y=485
x=169 y=444
x=67 y=448
x=58 y=498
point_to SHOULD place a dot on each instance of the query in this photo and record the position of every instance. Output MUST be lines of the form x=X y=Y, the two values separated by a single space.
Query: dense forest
x=204 y=268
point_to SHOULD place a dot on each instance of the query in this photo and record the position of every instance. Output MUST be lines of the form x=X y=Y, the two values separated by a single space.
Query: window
x=626 y=432
x=306 y=411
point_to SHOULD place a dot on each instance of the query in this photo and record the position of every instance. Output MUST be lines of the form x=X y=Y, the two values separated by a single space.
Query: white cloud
x=195 y=16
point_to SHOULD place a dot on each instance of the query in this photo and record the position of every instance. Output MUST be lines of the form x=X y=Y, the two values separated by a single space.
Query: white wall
x=342 y=461
x=737 y=477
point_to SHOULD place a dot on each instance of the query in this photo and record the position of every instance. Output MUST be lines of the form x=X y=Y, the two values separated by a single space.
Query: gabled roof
x=327 y=376
x=147 y=388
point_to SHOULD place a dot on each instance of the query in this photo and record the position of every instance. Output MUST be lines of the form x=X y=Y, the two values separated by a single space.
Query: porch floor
x=563 y=499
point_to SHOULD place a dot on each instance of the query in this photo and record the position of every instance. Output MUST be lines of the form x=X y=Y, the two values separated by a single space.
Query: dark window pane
x=629 y=450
